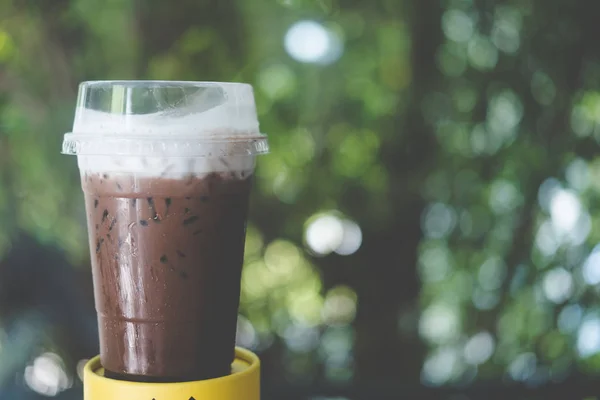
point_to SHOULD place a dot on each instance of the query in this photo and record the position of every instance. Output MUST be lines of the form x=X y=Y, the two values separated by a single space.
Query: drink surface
x=166 y=261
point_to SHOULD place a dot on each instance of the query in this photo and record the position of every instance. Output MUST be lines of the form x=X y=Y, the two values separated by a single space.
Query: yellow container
x=242 y=384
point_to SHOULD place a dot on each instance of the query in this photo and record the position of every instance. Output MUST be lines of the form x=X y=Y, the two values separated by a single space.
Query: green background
x=459 y=136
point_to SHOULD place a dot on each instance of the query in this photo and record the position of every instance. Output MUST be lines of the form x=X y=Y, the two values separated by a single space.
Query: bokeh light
x=311 y=42
x=588 y=337
x=565 y=210
x=591 y=267
x=523 y=367
x=506 y=30
x=435 y=262
x=246 y=335
x=457 y=25
x=479 y=348
x=441 y=366
x=578 y=174
x=351 y=238
x=482 y=53
x=47 y=375
x=558 y=285
x=301 y=338
x=492 y=273
x=339 y=307
x=570 y=318
x=324 y=234
x=439 y=323
x=438 y=220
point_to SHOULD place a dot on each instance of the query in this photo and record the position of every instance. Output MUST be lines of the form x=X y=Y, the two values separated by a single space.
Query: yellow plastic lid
x=242 y=384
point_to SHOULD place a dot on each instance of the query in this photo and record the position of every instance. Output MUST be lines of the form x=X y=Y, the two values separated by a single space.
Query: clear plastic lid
x=165 y=119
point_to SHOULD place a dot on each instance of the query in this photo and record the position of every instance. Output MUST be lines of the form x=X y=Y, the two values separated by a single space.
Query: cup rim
x=160 y=83
x=162 y=146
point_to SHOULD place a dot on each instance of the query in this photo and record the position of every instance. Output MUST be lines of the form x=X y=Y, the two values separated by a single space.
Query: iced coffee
x=166 y=192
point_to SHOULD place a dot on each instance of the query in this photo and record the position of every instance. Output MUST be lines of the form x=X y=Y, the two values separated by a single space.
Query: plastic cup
x=166 y=171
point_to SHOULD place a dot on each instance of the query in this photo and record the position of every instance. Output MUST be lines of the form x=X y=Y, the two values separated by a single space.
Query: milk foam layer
x=199 y=134
x=166 y=108
x=171 y=167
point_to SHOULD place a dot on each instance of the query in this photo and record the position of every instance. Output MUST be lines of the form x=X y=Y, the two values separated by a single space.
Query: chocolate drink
x=166 y=258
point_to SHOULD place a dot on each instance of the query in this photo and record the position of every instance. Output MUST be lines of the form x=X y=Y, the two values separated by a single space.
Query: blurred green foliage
x=453 y=144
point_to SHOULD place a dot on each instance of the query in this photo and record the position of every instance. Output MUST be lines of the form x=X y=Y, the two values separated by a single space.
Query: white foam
x=225 y=111
x=227 y=108
x=210 y=124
